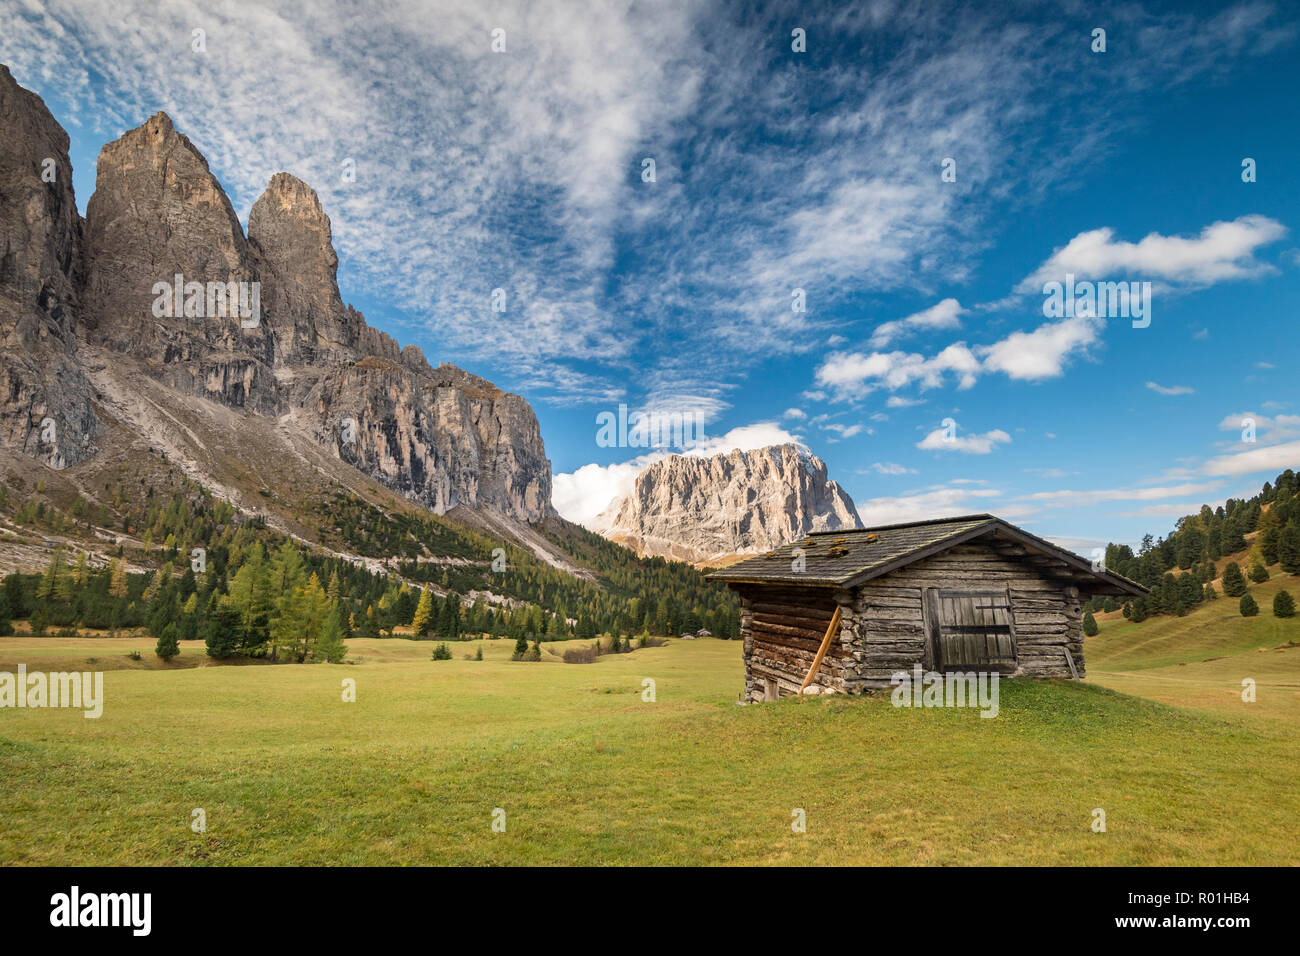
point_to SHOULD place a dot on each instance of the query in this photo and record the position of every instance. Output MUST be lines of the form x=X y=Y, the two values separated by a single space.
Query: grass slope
x=1200 y=660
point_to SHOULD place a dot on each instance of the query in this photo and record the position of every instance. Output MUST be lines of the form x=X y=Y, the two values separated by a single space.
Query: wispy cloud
x=1070 y=497
x=1270 y=458
x=522 y=170
x=1223 y=250
x=891 y=468
x=940 y=501
x=943 y=315
x=972 y=444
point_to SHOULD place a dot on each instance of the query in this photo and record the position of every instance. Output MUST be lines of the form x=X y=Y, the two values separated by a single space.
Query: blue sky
x=778 y=170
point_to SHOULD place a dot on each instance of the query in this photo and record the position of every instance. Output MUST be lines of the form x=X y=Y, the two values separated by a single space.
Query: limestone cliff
x=741 y=502
x=160 y=281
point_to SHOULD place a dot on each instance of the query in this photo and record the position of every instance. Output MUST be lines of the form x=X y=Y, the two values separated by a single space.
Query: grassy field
x=588 y=772
x=1200 y=661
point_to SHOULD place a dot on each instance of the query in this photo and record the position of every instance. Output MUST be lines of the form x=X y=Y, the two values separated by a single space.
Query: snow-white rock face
x=742 y=502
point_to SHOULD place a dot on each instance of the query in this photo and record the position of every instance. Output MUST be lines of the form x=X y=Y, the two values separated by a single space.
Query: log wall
x=882 y=625
x=1046 y=612
x=782 y=628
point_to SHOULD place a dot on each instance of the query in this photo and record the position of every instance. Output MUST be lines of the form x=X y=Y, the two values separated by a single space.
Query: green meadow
x=586 y=771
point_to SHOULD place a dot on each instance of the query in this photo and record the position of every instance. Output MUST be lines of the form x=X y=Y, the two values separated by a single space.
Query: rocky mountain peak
x=155 y=266
x=703 y=509
x=157 y=214
x=293 y=240
x=45 y=400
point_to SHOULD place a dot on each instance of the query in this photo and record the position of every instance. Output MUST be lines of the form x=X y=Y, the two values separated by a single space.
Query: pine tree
x=423 y=613
x=1283 y=604
x=1258 y=573
x=1234 y=584
x=6 y=616
x=1248 y=606
x=167 y=647
x=250 y=596
x=50 y=580
x=521 y=647
x=331 y=647
x=1089 y=624
x=370 y=623
x=343 y=614
x=117 y=589
x=286 y=575
x=189 y=623
x=1270 y=533
x=15 y=591
x=450 y=625
x=117 y=579
x=1288 y=548
x=313 y=615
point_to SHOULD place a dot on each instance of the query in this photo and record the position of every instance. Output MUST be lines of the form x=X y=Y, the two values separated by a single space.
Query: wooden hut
x=842 y=611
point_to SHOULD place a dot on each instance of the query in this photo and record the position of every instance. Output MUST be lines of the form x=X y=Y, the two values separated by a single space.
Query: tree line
x=242 y=589
x=1179 y=569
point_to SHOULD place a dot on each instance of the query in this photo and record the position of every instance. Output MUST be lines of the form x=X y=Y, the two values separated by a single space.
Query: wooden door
x=972 y=631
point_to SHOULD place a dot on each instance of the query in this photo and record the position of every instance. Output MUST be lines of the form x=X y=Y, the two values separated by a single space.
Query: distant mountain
x=708 y=510
x=255 y=344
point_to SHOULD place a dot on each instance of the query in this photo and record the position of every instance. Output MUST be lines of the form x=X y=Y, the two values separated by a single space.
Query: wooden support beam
x=1069 y=659
x=821 y=651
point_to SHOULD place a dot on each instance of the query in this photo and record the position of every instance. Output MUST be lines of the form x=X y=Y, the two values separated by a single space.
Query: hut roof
x=848 y=558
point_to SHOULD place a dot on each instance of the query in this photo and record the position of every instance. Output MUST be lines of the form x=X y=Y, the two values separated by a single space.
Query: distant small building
x=703 y=632
x=973 y=593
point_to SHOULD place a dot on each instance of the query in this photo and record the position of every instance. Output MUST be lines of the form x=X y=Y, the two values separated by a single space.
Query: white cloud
x=898 y=401
x=795 y=413
x=1271 y=458
x=1223 y=250
x=972 y=444
x=937 y=502
x=1042 y=353
x=583 y=494
x=745 y=438
x=1170 y=510
x=891 y=468
x=854 y=374
x=1069 y=497
x=1276 y=428
x=844 y=431
x=1171 y=389
x=1027 y=356
x=944 y=315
